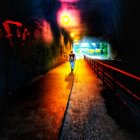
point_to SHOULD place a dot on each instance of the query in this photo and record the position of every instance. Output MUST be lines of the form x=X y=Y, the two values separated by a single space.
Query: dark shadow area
x=119 y=111
x=69 y=76
x=69 y=79
x=9 y=102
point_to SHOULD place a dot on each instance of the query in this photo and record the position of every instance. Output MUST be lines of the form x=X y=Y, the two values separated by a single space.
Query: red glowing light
x=19 y=34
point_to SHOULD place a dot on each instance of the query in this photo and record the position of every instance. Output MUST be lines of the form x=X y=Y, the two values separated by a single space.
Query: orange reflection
x=55 y=91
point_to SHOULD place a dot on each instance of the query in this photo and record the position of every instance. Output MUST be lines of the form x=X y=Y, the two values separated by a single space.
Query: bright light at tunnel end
x=93 y=48
x=96 y=57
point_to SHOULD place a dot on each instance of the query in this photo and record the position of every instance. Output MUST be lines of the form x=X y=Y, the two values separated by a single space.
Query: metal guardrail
x=125 y=85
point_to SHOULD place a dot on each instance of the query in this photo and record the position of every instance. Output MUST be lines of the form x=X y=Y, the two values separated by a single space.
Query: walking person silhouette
x=72 y=59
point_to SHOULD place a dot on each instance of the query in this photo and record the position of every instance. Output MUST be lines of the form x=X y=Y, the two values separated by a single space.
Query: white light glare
x=94 y=44
x=84 y=44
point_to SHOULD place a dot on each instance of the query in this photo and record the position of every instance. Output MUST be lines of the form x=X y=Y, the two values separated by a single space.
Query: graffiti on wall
x=21 y=31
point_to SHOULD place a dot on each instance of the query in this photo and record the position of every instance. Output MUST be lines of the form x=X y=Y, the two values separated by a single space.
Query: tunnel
x=36 y=36
x=41 y=38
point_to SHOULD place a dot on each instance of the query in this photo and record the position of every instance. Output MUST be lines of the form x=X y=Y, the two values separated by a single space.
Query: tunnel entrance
x=93 y=48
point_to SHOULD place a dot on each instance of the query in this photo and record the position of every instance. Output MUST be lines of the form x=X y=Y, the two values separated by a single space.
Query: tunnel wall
x=26 y=56
x=125 y=40
x=31 y=42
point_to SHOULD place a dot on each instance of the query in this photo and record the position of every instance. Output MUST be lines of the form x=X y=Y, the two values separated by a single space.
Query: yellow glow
x=68 y=18
x=65 y=19
x=72 y=34
x=75 y=40
x=91 y=51
x=76 y=43
x=98 y=51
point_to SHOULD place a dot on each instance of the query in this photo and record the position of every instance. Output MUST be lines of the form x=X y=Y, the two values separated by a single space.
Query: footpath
x=59 y=105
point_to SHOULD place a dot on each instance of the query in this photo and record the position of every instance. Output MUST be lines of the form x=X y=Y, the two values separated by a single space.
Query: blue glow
x=84 y=44
x=93 y=48
x=94 y=44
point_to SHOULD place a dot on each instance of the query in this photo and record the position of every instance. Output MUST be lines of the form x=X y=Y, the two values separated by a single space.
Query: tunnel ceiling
x=97 y=17
x=109 y=19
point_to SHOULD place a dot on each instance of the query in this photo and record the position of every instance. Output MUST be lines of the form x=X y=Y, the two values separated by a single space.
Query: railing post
x=94 y=65
x=97 y=68
x=90 y=62
x=103 y=76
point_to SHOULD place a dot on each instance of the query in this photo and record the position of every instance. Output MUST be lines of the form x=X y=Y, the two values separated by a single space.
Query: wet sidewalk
x=59 y=105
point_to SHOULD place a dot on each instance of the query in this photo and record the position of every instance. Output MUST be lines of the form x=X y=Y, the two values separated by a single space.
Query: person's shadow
x=69 y=78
